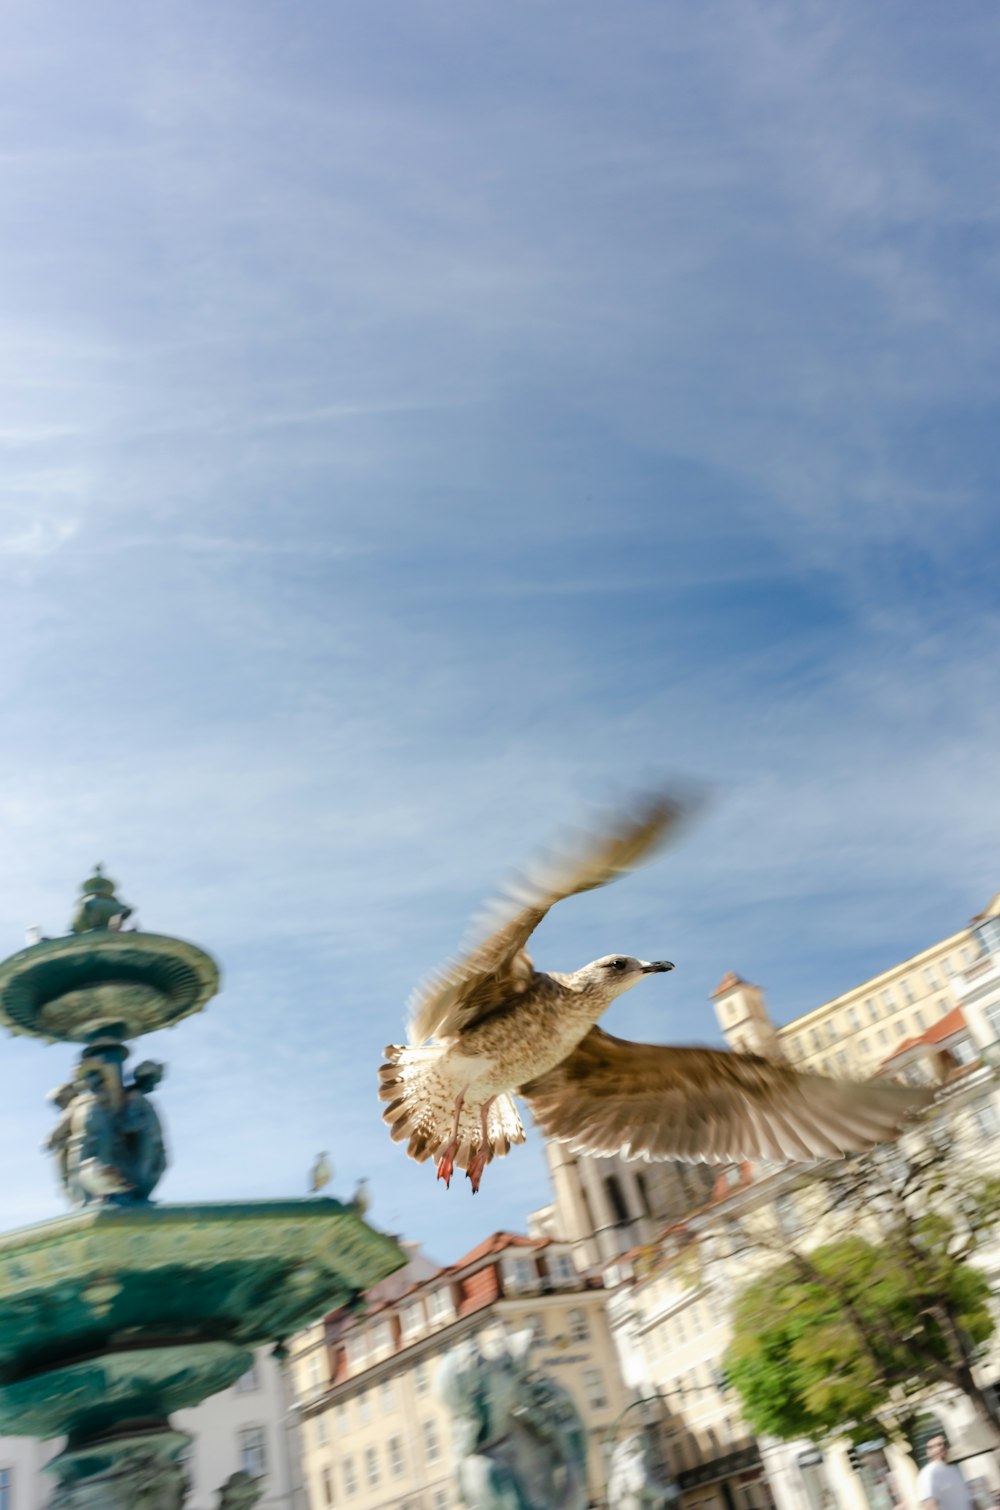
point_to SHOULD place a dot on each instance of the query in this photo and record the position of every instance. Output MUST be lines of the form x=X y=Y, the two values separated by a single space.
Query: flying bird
x=489 y=1026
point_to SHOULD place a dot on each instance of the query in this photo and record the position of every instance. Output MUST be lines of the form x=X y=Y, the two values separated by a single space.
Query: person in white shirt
x=940 y=1486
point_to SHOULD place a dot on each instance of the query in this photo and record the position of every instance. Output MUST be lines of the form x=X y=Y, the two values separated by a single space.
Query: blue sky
x=421 y=421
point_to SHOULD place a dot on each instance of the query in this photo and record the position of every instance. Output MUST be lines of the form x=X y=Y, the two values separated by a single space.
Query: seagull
x=490 y=1026
x=321 y=1173
x=361 y=1199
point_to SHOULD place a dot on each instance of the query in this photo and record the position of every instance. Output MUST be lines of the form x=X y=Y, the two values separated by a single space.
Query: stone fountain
x=122 y=1311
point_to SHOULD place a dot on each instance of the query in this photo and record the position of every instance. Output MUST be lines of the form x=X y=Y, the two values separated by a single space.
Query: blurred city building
x=626 y=1278
x=857 y=1032
x=374 y=1432
x=935 y=1019
x=247 y=1426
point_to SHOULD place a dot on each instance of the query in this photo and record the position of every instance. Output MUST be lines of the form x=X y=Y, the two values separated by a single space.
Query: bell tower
x=744 y=1019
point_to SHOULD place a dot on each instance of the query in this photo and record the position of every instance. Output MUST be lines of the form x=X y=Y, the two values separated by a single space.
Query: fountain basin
x=156 y=1306
x=76 y=987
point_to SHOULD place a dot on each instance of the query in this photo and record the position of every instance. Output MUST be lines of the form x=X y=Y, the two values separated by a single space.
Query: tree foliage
x=834 y=1333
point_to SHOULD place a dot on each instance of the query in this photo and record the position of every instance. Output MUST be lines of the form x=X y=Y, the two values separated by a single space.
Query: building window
x=872 y=1006
x=395 y=1450
x=593 y=1384
x=441 y=1306
x=883 y=1035
x=327 y=1487
x=831 y=1030
x=440 y=1499
x=918 y=1018
x=853 y=1018
x=412 y=1319
x=386 y=1395
x=316 y=1380
x=364 y=1408
x=420 y=1378
x=986 y=1119
x=862 y=1045
x=350 y=1477
x=341 y=1420
x=432 y=1447
x=962 y=1049
x=579 y=1331
x=815 y=1039
x=907 y=992
x=616 y=1200
x=930 y=978
x=253 y=1450
x=357 y=1350
x=371 y=1467
x=321 y=1431
x=520 y=1273
x=901 y=1028
x=788 y=1217
x=841 y=1059
x=887 y=1001
x=561 y=1268
x=947 y=967
x=248 y=1382
x=382 y=1337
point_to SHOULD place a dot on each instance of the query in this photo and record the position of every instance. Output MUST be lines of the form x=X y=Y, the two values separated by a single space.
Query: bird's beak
x=656 y=967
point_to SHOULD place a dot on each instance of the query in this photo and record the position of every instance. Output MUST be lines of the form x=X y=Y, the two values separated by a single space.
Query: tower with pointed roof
x=743 y=1017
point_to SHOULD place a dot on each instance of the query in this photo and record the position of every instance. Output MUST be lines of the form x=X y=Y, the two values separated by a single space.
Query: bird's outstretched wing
x=496 y=966
x=644 y=1100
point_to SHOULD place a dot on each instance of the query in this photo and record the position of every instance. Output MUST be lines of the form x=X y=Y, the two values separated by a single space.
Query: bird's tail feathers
x=421 y=1108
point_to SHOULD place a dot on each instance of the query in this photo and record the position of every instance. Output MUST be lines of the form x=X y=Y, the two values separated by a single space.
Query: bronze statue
x=241 y=1491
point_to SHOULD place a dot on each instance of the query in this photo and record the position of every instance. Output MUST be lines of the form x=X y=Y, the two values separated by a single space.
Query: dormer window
x=411 y=1319
x=440 y=1306
x=561 y=1268
x=520 y=1273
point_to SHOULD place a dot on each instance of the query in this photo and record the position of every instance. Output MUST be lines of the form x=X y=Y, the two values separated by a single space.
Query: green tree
x=887 y=1309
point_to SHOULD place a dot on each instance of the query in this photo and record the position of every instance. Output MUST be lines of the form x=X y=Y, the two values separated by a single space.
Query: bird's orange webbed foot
x=477 y=1164
x=446 y=1167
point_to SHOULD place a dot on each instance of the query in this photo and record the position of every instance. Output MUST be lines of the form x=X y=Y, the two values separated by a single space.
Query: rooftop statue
x=518 y=1438
x=636 y=1480
x=241 y=1491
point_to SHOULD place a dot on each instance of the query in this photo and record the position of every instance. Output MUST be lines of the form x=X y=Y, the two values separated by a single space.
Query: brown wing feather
x=650 y=1101
x=497 y=967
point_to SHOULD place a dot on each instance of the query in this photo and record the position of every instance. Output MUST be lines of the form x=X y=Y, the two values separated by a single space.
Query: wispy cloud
x=404 y=443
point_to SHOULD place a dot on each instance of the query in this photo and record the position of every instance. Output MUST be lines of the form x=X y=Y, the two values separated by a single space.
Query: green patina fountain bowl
x=124 y=984
x=119 y=1312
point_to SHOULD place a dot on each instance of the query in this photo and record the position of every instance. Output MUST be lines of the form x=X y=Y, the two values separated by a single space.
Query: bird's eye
x=619 y=964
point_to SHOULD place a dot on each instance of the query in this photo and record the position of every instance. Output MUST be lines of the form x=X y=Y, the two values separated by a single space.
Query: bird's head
x=616 y=973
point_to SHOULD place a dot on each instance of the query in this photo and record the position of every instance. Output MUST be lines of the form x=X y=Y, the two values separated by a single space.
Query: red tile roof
x=495 y=1244
x=952 y=1022
x=727 y=983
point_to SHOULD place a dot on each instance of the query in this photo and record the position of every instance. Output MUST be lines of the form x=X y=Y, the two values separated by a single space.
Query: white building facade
x=247 y=1426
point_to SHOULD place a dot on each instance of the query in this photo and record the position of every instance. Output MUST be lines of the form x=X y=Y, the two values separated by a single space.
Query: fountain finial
x=98 y=907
